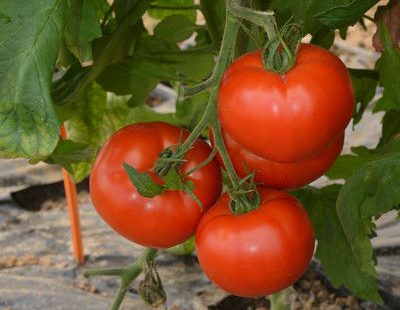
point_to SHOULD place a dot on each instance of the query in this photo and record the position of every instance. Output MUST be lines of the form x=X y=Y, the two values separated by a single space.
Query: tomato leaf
x=190 y=110
x=389 y=68
x=316 y=16
x=390 y=126
x=364 y=85
x=345 y=166
x=174 y=28
x=68 y=152
x=342 y=269
x=143 y=182
x=324 y=37
x=343 y=13
x=96 y=115
x=82 y=28
x=164 y=12
x=371 y=191
x=31 y=34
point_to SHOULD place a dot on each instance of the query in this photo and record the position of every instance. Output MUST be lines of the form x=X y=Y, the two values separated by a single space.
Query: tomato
x=257 y=253
x=289 y=117
x=165 y=220
x=281 y=175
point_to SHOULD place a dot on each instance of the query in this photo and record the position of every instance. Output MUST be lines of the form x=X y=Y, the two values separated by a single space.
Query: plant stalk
x=127 y=275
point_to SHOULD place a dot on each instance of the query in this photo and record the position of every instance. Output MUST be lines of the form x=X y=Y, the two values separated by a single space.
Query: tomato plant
x=277 y=110
x=167 y=219
x=257 y=253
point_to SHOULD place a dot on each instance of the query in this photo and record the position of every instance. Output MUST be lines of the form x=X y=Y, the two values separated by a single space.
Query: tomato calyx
x=280 y=52
x=148 y=187
x=244 y=196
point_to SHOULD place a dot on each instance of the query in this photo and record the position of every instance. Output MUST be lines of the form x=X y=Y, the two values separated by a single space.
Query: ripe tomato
x=165 y=220
x=281 y=175
x=289 y=117
x=257 y=253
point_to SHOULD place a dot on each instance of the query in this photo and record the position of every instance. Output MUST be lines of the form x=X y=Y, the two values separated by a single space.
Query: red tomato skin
x=165 y=220
x=281 y=175
x=260 y=252
x=287 y=117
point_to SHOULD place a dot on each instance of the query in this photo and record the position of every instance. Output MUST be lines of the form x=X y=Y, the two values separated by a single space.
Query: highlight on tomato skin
x=286 y=118
x=260 y=252
x=162 y=221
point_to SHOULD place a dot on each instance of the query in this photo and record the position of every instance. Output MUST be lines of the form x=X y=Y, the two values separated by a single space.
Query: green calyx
x=173 y=180
x=244 y=196
x=279 y=53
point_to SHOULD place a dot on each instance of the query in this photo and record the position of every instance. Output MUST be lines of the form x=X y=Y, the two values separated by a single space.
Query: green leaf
x=190 y=110
x=139 y=77
x=163 y=12
x=82 y=28
x=68 y=152
x=345 y=166
x=96 y=115
x=372 y=191
x=333 y=249
x=174 y=28
x=30 y=37
x=364 y=85
x=389 y=68
x=390 y=126
x=214 y=13
x=340 y=14
x=80 y=171
x=316 y=15
x=195 y=67
x=324 y=37
x=143 y=182
x=131 y=77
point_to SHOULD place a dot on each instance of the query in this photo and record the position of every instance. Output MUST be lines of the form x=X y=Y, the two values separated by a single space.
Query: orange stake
x=72 y=201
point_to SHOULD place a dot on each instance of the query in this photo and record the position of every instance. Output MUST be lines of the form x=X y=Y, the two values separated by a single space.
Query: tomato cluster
x=288 y=129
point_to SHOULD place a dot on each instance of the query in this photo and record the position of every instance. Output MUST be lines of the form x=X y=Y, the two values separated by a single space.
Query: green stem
x=175 y=8
x=190 y=91
x=102 y=272
x=227 y=45
x=127 y=275
x=264 y=19
x=210 y=116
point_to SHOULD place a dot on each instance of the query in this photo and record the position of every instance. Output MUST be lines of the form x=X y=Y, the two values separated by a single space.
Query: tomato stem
x=243 y=199
x=127 y=274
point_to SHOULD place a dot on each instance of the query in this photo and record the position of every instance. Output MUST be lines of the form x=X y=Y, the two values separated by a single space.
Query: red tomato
x=257 y=253
x=282 y=175
x=165 y=220
x=288 y=117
